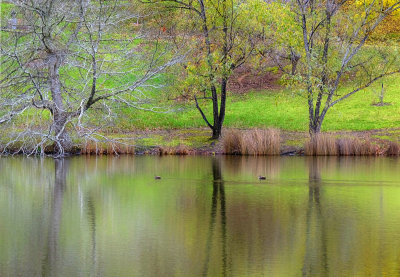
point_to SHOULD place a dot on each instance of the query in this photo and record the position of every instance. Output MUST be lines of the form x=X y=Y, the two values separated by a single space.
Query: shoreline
x=196 y=141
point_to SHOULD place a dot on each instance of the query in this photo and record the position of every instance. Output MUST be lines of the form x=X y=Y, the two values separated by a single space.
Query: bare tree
x=67 y=57
x=334 y=35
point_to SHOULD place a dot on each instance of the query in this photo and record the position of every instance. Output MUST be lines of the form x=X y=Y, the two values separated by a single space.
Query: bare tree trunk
x=294 y=59
x=216 y=127
x=214 y=96
x=315 y=125
x=63 y=142
x=219 y=118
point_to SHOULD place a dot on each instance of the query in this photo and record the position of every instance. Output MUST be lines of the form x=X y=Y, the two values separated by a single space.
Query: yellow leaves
x=377 y=3
x=390 y=26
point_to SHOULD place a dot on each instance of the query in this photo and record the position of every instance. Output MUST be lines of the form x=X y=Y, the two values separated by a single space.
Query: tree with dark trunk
x=215 y=34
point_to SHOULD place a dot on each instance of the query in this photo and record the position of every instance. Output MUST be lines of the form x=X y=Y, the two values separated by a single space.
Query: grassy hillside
x=284 y=109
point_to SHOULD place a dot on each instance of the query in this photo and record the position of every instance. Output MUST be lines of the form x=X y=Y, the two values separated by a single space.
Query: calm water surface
x=207 y=216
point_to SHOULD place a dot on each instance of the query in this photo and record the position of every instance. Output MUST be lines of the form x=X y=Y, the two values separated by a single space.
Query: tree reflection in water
x=51 y=260
x=97 y=217
x=218 y=193
x=315 y=259
x=91 y=215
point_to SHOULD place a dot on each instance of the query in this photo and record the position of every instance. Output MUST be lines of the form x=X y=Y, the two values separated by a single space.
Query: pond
x=206 y=216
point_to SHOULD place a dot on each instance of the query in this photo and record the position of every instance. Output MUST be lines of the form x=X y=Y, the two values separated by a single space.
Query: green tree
x=335 y=49
x=281 y=35
x=218 y=40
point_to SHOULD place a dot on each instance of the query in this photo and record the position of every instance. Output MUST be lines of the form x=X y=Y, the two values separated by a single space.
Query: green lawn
x=281 y=109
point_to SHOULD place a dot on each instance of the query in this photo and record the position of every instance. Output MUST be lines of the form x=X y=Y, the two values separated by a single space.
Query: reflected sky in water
x=207 y=216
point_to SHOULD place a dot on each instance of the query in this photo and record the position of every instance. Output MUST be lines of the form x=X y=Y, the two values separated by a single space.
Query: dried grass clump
x=261 y=142
x=253 y=142
x=355 y=147
x=110 y=148
x=393 y=149
x=366 y=148
x=232 y=142
x=321 y=145
x=177 y=150
x=327 y=145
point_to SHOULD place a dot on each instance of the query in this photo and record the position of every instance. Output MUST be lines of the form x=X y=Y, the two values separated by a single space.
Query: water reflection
x=249 y=166
x=91 y=215
x=315 y=258
x=52 y=258
x=218 y=193
x=207 y=216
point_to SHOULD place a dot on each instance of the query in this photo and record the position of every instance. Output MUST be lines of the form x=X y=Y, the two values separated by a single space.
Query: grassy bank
x=183 y=130
x=283 y=109
x=286 y=110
